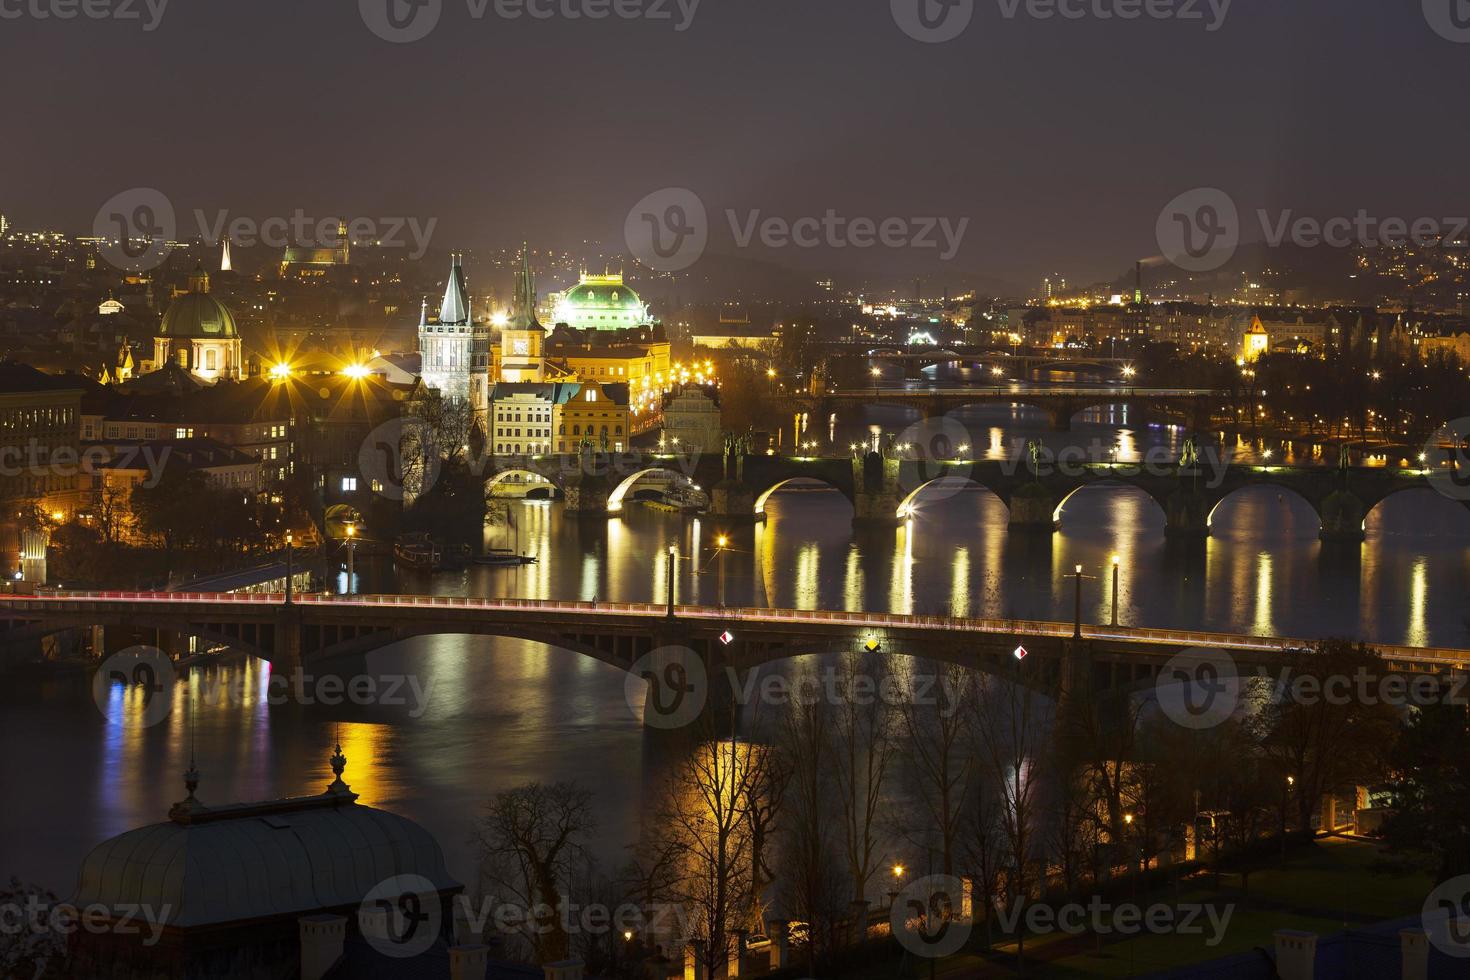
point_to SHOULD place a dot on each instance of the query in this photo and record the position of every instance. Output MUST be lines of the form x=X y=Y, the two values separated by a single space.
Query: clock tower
x=522 y=337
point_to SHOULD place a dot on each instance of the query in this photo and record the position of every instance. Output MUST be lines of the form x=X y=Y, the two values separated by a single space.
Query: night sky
x=1059 y=140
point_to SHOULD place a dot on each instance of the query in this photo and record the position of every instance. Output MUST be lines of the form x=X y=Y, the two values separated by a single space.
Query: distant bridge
x=1192 y=407
x=315 y=630
x=888 y=489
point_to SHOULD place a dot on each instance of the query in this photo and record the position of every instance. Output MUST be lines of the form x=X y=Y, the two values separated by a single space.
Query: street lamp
x=351 y=550
x=721 y=543
x=1114 y=621
x=1077 y=605
x=288 y=567
x=673 y=553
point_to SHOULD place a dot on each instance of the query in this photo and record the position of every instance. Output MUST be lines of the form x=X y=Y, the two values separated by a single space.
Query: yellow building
x=596 y=412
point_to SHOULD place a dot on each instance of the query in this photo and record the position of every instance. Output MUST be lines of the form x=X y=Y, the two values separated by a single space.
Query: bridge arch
x=615 y=498
x=1109 y=481
x=523 y=477
x=1432 y=497
x=1282 y=489
x=909 y=504
x=765 y=495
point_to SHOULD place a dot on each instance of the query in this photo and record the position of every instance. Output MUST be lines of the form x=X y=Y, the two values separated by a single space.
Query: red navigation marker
x=1020 y=653
x=727 y=637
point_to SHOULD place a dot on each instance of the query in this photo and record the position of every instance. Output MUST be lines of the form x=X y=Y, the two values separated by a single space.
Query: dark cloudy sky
x=1059 y=140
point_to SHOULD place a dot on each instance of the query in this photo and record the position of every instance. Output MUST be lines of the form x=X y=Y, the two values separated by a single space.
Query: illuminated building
x=224 y=259
x=198 y=334
x=600 y=303
x=595 y=412
x=521 y=415
x=1255 y=342
x=39 y=426
x=454 y=350
x=302 y=262
x=692 y=421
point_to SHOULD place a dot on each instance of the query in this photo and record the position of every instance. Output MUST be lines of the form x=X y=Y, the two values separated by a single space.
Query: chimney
x=1296 y=954
x=322 y=937
x=468 y=962
x=564 y=970
x=1414 y=944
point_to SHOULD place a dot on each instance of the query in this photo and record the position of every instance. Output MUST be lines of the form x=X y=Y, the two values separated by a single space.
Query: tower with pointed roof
x=454 y=349
x=522 y=339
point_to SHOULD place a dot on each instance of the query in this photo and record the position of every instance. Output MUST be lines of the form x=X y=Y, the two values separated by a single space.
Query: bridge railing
x=734 y=615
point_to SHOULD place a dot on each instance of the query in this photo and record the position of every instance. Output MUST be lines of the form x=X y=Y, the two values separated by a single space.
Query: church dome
x=604 y=296
x=196 y=314
x=602 y=302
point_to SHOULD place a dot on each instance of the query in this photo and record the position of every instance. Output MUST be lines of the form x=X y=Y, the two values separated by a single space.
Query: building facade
x=454 y=349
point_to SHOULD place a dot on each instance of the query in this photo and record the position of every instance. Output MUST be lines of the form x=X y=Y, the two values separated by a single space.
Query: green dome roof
x=588 y=295
x=198 y=315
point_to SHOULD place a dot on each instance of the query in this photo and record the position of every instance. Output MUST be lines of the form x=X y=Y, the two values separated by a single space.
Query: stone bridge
x=1193 y=408
x=886 y=489
x=327 y=633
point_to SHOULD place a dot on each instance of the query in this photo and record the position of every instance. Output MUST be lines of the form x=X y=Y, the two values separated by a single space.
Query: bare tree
x=939 y=760
x=532 y=845
x=1008 y=722
x=706 y=820
x=864 y=744
x=810 y=859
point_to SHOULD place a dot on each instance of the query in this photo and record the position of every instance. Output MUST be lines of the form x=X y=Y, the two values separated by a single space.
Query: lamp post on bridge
x=1077 y=604
x=673 y=553
x=351 y=550
x=288 y=568
x=1114 y=621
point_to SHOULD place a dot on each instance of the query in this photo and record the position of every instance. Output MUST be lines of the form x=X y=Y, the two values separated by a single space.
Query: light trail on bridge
x=1145 y=636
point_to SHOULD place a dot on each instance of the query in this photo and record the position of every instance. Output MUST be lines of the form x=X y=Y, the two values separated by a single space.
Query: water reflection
x=501 y=712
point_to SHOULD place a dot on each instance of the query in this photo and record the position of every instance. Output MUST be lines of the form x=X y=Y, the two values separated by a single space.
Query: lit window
x=349 y=484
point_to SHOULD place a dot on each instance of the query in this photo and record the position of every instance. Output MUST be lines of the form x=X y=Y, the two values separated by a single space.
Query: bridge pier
x=1187 y=516
x=1342 y=517
x=733 y=502
x=877 y=493
x=1033 y=508
x=586 y=492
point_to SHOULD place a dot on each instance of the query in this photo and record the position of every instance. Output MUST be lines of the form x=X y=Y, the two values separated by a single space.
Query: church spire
x=456 y=305
x=523 y=302
x=224 y=258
